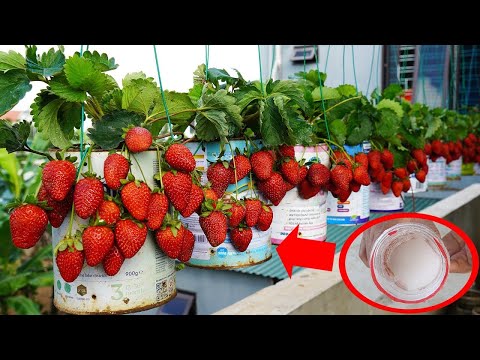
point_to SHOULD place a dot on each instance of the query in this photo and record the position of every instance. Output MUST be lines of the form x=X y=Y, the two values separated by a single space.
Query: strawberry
x=214 y=225
x=387 y=180
x=113 y=261
x=412 y=166
x=307 y=190
x=60 y=209
x=138 y=139
x=262 y=164
x=265 y=218
x=195 y=201
x=360 y=175
x=400 y=173
x=288 y=186
x=130 y=236
x=342 y=158
x=87 y=196
x=274 y=155
x=421 y=175
x=386 y=157
x=170 y=238
x=115 y=168
x=109 y=212
x=343 y=195
x=397 y=188
x=180 y=158
x=436 y=147
x=177 y=188
x=273 y=188
x=210 y=195
x=290 y=170
x=406 y=184
x=362 y=158
x=374 y=159
x=355 y=186
x=385 y=188
x=286 y=151
x=97 y=241
x=28 y=222
x=188 y=244
x=341 y=176
x=445 y=150
x=70 y=263
x=241 y=238
x=242 y=167
x=253 y=208
x=318 y=175
x=237 y=214
x=58 y=177
x=427 y=149
x=136 y=199
x=157 y=209
x=302 y=173
x=219 y=176
x=420 y=156
x=377 y=174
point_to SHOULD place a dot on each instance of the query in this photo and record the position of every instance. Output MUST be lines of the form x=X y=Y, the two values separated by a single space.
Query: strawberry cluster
x=449 y=150
x=471 y=149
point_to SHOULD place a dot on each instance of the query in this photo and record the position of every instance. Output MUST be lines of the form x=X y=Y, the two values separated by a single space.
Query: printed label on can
x=454 y=169
x=384 y=202
x=416 y=186
x=437 y=175
x=476 y=167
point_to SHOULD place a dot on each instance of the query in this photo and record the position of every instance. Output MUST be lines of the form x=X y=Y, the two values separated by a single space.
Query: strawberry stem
x=141 y=171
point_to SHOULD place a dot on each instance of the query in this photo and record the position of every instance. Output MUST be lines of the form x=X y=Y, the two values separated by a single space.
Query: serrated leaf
x=50 y=126
x=14 y=84
x=48 y=64
x=195 y=93
x=433 y=127
x=290 y=89
x=392 y=91
x=112 y=100
x=388 y=124
x=347 y=90
x=11 y=61
x=246 y=95
x=275 y=128
x=139 y=96
x=338 y=130
x=302 y=131
x=211 y=125
x=176 y=102
x=22 y=305
x=127 y=80
x=392 y=105
x=100 y=62
x=400 y=158
x=62 y=89
x=13 y=137
x=327 y=92
x=359 y=128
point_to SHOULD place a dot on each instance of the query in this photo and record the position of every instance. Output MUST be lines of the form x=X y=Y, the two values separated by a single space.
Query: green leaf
x=275 y=128
x=139 y=96
x=245 y=96
x=302 y=131
x=195 y=93
x=347 y=90
x=48 y=64
x=41 y=279
x=359 y=128
x=127 y=80
x=14 y=85
x=399 y=157
x=100 y=62
x=327 y=92
x=23 y=305
x=107 y=132
x=338 y=130
x=211 y=125
x=11 y=283
x=392 y=105
x=388 y=124
x=433 y=127
x=9 y=163
x=112 y=100
x=60 y=87
x=13 y=137
x=290 y=89
x=11 y=61
x=392 y=91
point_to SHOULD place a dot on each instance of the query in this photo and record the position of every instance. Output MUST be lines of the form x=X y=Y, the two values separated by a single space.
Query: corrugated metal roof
x=335 y=233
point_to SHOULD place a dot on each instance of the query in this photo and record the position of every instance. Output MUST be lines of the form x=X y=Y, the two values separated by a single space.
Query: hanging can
x=224 y=256
x=454 y=169
x=356 y=210
x=437 y=174
x=293 y=210
x=476 y=168
x=470 y=169
x=380 y=202
x=145 y=281
x=416 y=186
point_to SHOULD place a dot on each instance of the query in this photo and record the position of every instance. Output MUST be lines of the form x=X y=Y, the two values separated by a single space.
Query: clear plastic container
x=409 y=263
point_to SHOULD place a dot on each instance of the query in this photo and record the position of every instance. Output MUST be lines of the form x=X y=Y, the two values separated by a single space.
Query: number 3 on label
x=118 y=294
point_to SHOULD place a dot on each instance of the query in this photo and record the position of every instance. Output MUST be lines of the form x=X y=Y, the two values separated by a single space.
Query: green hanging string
x=354 y=72
x=326 y=60
x=343 y=65
x=82 y=114
x=273 y=61
x=378 y=67
x=305 y=61
x=420 y=70
x=371 y=69
x=162 y=93
x=321 y=94
x=261 y=72
x=207 y=58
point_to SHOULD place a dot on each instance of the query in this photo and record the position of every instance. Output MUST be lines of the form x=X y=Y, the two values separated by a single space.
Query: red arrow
x=294 y=251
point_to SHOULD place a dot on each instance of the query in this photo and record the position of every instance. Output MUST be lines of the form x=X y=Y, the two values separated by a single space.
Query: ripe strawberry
x=374 y=159
x=97 y=241
x=241 y=238
x=318 y=175
x=406 y=184
x=360 y=175
x=188 y=244
x=109 y=212
x=169 y=239
x=70 y=263
x=60 y=209
x=194 y=202
x=302 y=173
x=219 y=175
x=412 y=166
x=286 y=151
x=386 y=158
x=427 y=148
x=58 y=177
x=265 y=218
x=362 y=158
x=177 y=188
x=113 y=261
x=421 y=175
x=445 y=150
x=378 y=174
x=385 y=188
x=290 y=170
x=436 y=147
x=307 y=190
x=243 y=167
x=138 y=139
x=87 y=196
x=180 y=158
x=397 y=188
x=343 y=158
x=115 y=168
x=341 y=176
x=355 y=186
x=253 y=208
x=28 y=222
x=262 y=164
x=210 y=195
x=288 y=186
x=157 y=209
x=273 y=188
x=136 y=199
x=214 y=225
x=343 y=195
x=400 y=173
x=238 y=212
x=130 y=237
x=420 y=156
x=387 y=180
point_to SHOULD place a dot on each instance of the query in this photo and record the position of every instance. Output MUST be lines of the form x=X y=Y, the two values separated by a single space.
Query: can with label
x=380 y=202
x=416 y=186
x=470 y=169
x=437 y=174
x=454 y=169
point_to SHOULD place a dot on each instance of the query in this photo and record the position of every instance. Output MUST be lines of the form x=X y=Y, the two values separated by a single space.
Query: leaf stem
x=140 y=168
x=29 y=149
x=340 y=103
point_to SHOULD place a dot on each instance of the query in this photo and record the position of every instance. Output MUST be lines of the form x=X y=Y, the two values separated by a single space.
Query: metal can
x=380 y=202
x=454 y=169
x=437 y=174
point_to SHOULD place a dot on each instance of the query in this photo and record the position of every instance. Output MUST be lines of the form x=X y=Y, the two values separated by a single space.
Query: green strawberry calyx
x=71 y=243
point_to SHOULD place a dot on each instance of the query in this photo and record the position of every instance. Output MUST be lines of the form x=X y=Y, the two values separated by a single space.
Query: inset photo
x=409 y=263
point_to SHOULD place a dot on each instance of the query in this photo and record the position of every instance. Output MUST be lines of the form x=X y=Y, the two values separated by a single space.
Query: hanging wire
x=343 y=65
x=207 y=58
x=421 y=72
x=162 y=93
x=321 y=94
x=378 y=68
x=354 y=72
x=371 y=69
x=326 y=60
x=261 y=72
x=273 y=61
x=305 y=61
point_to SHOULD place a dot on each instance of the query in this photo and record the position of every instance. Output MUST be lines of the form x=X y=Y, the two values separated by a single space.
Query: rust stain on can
x=228 y=267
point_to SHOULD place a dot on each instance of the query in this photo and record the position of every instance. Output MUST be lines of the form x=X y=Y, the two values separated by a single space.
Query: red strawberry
x=253 y=208
x=265 y=218
x=385 y=189
x=400 y=173
x=445 y=150
x=219 y=176
x=355 y=186
x=58 y=177
x=302 y=173
x=169 y=239
x=70 y=263
x=307 y=190
x=195 y=201
x=290 y=170
x=342 y=158
x=97 y=241
x=210 y=195
x=318 y=175
x=436 y=147
x=387 y=180
x=262 y=164
x=289 y=186
x=286 y=151
x=274 y=155
x=214 y=225
x=420 y=156
x=243 y=167
x=421 y=175
x=397 y=188
x=87 y=196
x=109 y=212
x=341 y=176
x=406 y=184
x=130 y=237
x=180 y=158
x=378 y=174
x=115 y=168
x=177 y=188
x=412 y=166
x=343 y=195
x=136 y=199
x=273 y=188
x=60 y=209
x=28 y=222
x=237 y=214
x=157 y=209
x=374 y=159
x=188 y=244
x=241 y=238
x=360 y=175
x=427 y=148
x=113 y=261
x=138 y=139
x=362 y=158
x=386 y=158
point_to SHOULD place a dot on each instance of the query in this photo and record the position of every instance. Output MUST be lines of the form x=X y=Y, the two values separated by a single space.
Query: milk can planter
x=437 y=173
x=453 y=170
